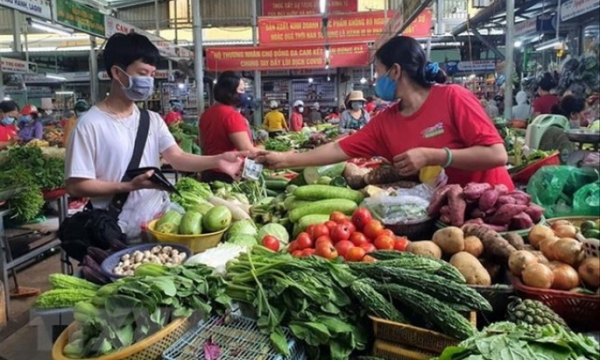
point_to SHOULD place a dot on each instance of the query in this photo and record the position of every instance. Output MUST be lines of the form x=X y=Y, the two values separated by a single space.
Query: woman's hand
x=231 y=163
x=410 y=162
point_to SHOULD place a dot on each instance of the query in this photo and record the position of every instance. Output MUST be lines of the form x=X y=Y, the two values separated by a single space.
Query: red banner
x=306 y=7
x=285 y=58
x=420 y=27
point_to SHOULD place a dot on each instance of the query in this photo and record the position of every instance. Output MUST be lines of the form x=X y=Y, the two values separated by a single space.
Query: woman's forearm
x=323 y=155
x=475 y=158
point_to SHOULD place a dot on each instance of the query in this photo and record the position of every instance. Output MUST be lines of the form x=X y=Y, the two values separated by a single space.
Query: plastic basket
x=391 y=351
x=591 y=246
x=238 y=339
x=523 y=175
x=196 y=243
x=150 y=348
x=580 y=311
x=413 y=336
x=113 y=260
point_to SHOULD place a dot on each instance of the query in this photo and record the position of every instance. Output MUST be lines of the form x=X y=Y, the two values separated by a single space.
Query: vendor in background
x=572 y=108
x=430 y=125
x=71 y=117
x=355 y=117
x=173 y=117
x=521 y=111
x=370 y=105
x=334 y=116
x=544 y=103
x=9 y=111
x=222 y=127
x=274 y=121
x=315 y=117
x=297 y=120
x=30 y=126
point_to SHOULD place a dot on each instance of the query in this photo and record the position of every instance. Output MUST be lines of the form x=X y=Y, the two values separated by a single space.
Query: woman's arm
x=343 y=123
x=330 y=153
x=38 y=131
x=241 y=141
x=475 y=158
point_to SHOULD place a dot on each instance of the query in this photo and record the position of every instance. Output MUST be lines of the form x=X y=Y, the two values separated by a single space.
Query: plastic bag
x=141 y=207
x=566 y=191
x=400 y=206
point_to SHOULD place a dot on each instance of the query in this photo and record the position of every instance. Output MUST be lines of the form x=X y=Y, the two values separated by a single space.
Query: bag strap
x=118 y=201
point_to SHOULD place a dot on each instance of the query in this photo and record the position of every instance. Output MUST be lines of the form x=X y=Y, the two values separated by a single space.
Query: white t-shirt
x=101 y=146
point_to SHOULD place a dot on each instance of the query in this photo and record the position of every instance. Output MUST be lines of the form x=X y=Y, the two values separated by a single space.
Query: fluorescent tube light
x=518 y=44
x=323 y=6
x=50 y=29
x=548 y=44
x=64 y=93
x=56 y=77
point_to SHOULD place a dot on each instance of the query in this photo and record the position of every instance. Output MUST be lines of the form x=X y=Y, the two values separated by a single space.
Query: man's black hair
x=225 y=89
x=8 y=106
x=123 y=50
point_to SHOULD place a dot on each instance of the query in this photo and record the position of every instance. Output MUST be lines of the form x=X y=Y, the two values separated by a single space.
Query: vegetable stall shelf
x=391 y=351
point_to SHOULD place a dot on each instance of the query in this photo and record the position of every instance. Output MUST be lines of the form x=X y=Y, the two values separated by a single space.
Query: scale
x=549 y=133
x=581 y=137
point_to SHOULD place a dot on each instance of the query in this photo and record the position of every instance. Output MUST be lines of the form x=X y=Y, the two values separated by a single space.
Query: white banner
x=39 y=8
x=70 y=77
x=32 y=91
x=17 y=66
x=574 y=8
x=478 y=65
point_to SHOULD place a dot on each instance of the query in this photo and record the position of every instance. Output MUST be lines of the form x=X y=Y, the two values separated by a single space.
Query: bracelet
x=449 y=157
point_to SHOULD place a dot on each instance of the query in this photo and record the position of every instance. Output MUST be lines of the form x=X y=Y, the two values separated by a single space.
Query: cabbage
x=595 y=126
x=243 y=240
x=277 y=230
x=242 y=227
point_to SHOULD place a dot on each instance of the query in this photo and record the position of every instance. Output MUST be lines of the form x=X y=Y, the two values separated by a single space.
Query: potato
x=450 y=239
x=471 y=269
x=473 y=246
x=539 y=233
x=425 y=248
x=520 y=260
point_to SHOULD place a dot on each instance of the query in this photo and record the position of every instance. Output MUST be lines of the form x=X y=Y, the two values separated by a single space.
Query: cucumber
x=322 y=192
x=312 y=174
x=290 y=203
x=308 y=220
x=338 y=181
x=276 y=184
x=324 y=207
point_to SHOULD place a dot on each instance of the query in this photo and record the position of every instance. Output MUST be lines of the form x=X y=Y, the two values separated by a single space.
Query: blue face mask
x=140 y=87
x=357 y=105
x=385 y=88
x=8 y=120
x=25 y=119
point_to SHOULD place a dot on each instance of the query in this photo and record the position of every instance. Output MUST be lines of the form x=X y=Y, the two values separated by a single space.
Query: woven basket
x=591 y=246
x=390 y=351
x=150 y=348
x=415 y=337
x=414 y=230
x=580 y=311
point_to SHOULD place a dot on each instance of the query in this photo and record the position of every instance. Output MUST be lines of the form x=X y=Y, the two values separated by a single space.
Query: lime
x=592 y=234
x=587 y=226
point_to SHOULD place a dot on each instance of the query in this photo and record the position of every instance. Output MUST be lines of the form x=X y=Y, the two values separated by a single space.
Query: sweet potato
x=438 y=199
x=458 y=205
x=497 y=228
x=501 y=189
x=450 y=239
x=354 y=175
x=520 y=197
x=445 y=210
x=384 y=174
x=471 y=269
x=505 y=213
x=515 y=240
x=473 y=191
x=488 y=200
x=445 y=219
x=478 y=214
x=477 y=221
x=506 y=199
x=521 y=221
x=494 y=245
x=535 y=212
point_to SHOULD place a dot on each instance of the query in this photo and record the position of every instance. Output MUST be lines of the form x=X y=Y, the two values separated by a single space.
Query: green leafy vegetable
x=27 y=203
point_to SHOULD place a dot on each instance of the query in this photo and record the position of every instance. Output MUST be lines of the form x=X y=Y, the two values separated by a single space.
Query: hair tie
x=431 y=69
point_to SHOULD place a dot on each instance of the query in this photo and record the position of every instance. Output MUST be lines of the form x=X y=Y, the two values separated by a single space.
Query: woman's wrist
x=437 y=157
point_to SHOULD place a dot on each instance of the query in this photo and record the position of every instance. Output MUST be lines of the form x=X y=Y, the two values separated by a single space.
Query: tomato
x=389 y=233
x=343 y=246
x=293 y=246
x=271 y=243
x=368 y=258
x=350 y=225
x=310 y=229
x=373 y=229
x=307 y=252
x=297 y=253
x=303 y=241
x=337 y=216
x=327 y=251
x=341 y=232
x=368 y=247
x=384 y=242
x=320 y=230
x=355 y=254
x=330 y=225
x=358 y=239
x=323 y=240
x=401 y=243
x=361 y=217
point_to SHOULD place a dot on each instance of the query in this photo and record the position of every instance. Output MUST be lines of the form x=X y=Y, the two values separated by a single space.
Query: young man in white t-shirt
x=101 y=144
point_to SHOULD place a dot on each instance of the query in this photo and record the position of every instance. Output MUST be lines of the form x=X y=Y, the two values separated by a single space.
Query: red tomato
x=303 y=241
x=309 y=230
x=320 y=230
x=368 y=258
x=323 y=240
x=350 y=225
x=358 y=239
x=373 y=229
x=368 y=247
x=293 y=246
x=384 y=242
x=343 y=246
x=341 y=232
x=401 y=243
x=355 y=254
x=330 y=225
x=337 y=216
x=297 y=253
x=327 y=251
x=389 y=233
x=271 y=243
x=307 y=252
x=361 y=217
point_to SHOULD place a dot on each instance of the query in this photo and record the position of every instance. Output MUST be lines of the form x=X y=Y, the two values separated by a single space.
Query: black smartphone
x=157 y=177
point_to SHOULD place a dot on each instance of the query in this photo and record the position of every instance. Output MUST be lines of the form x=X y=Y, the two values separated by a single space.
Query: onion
x=589 y=271
x=519 y=260
x=565 y=277
x=539 y=233
x=568 y=251
x=547 y=247
x=565 y=231
x=538 y=276
x=540 y=257
x=558 y=223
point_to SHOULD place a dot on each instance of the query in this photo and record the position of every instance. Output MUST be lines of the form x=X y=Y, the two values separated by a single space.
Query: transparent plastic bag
x=566 y=191
x=400 y=206
x=147 y=206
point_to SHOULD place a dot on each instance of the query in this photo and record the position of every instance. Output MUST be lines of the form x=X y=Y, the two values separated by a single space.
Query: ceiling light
x=49 y=27
x=6 y=98
x=327 y=52
x=181 y=85
x=328 y=78
x=363 y=80
x=64 y=93
x=214 y=81
x=548 y=44
x=322 y=6
x=310 y=80
x=518 y=44
x=56 y=77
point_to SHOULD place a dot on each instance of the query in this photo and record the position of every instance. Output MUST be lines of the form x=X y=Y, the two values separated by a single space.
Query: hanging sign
x=306 y=7
x=477 y=66
x=33 y=92
x=159 y=74
x=575 y=8
x=78 y=16
x=17 y=66
x=39 y=8
x=285 y=58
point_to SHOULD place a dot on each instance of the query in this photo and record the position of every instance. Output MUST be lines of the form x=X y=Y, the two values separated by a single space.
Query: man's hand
x=231 y=163
x=271 y=159
x=410 y=162
x=142 y=182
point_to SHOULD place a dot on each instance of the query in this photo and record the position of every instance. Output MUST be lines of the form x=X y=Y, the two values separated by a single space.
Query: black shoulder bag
x=100 y=227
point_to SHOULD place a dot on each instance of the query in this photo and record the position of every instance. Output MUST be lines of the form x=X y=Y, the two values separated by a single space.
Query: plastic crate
x=238 y=338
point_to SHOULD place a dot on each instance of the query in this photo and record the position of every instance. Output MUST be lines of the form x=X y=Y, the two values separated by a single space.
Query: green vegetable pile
x=187 y=137
x=28 y=200
x=48 y=171
x=508 y=341
x=278 y=144
x=194 y=194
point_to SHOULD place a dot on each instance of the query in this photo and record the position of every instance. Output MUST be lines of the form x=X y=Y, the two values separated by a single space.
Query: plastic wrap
x=152 y=206
x=400 y=206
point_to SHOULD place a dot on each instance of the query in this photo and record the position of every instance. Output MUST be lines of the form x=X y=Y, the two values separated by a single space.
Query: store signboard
x=526 y=27
x=70 y=77
x=38 y=8
x=16 y=66
x=276 y=73
x=470 y=67
x=306 y=7
x=33 y=92
x=159 y=74
x=302 y=57
x=78 y=16
x=575 y=8
x=391 y=28
x=167 y=49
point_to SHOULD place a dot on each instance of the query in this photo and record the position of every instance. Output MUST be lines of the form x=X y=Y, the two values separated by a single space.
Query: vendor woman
x=430 y=125
x=9 y=111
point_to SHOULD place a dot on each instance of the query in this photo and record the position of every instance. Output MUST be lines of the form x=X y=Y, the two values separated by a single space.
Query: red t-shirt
x=216 y=124
x=7 y=132
x=451 y=117
x=172 y=117
x=543 y=104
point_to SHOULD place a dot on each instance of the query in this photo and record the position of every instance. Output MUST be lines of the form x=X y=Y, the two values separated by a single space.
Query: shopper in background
x=297 y=120
x=274 y=121
x=544 y=103
x=431 y=125
x=173 y=117
x=315 y=117
x=30 y=126
x=355 y=117
x=572 y=108
x=521 y=111
x=102 y=142
x=9 y=111
x=370 y=105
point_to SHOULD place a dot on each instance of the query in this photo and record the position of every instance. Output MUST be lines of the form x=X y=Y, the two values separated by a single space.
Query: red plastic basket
x=50 y=195
x=578 y=310
x=525 y=174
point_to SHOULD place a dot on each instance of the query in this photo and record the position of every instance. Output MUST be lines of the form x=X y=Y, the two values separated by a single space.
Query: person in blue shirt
x=29 y=125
